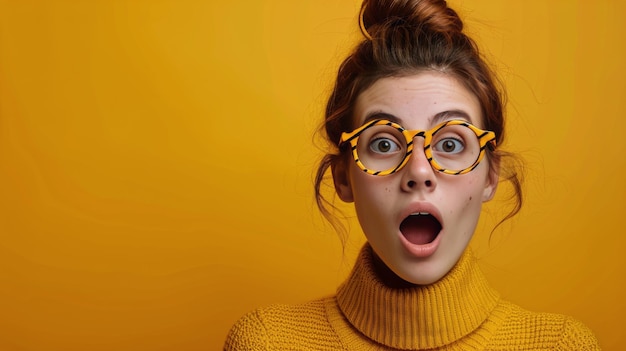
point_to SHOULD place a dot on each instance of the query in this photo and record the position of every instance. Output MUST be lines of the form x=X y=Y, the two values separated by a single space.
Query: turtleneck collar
x=417 y=317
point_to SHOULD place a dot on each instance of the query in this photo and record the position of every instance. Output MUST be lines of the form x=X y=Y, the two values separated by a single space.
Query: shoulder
x=248 y=333
x=546 y=331
x=577 y=336
x=278 y=327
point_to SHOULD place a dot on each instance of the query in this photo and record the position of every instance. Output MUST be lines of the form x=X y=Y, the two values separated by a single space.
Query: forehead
x=415 y=100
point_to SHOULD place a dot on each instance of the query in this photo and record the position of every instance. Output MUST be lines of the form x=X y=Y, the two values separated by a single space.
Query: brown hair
x=405 y=37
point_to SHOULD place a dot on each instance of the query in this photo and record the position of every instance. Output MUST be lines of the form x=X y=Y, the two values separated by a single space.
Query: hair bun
x=427 y=15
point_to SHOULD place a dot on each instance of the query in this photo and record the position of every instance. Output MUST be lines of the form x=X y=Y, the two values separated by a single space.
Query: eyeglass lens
x=383 y=147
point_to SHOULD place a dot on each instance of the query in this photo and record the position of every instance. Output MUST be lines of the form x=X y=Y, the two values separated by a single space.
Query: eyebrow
x=381 y=115
x=436 y=119
x=450 y=114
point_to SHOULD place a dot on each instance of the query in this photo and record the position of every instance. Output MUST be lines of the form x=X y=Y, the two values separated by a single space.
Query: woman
x=416 y=120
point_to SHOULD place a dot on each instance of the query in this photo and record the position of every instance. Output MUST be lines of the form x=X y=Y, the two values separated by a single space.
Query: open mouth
x=420 y=228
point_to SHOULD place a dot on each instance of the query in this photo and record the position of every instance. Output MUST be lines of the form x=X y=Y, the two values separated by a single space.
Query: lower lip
x=421 y=251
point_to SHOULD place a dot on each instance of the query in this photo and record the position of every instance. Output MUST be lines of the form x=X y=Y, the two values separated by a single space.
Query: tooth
x=420 y=214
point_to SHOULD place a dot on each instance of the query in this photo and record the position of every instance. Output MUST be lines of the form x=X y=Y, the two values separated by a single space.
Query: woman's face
x=418 y=221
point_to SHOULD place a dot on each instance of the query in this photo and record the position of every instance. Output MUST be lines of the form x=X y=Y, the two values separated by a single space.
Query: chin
x=423 y=277
x=426 y=272
x=398 y=266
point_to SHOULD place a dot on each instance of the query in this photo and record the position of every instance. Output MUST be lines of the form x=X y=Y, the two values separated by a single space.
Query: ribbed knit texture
x=459 y=312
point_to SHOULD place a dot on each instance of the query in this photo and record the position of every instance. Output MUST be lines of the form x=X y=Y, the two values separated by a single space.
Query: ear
x=491 y=183
x=342 y=181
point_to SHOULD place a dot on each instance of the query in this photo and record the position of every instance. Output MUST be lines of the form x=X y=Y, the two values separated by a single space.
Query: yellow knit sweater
x=459 y=312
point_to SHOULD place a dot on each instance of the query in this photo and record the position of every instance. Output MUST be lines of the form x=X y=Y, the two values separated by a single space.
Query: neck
x=387 y=276
x=399 y=314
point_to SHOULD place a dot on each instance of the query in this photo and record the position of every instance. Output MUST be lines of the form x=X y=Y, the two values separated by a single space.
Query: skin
x=382 y=202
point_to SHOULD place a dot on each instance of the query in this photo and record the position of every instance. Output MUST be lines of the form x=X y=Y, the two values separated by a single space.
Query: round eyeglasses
x=381 y=147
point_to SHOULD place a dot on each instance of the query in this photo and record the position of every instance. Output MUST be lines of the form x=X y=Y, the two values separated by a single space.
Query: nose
x=418 y=173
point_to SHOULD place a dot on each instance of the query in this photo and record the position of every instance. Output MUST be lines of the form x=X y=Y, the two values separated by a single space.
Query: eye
x=384 y=145
x=449 y=145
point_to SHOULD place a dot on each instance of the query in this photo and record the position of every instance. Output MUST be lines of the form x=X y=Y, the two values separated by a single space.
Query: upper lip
x=422 y=208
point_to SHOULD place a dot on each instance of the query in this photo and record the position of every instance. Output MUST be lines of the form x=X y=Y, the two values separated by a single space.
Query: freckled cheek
x=473 y=203
x=471 y=198
x=464 y=194
x=373 y=189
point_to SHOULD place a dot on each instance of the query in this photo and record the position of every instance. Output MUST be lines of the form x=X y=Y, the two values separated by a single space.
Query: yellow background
x=156 y=162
